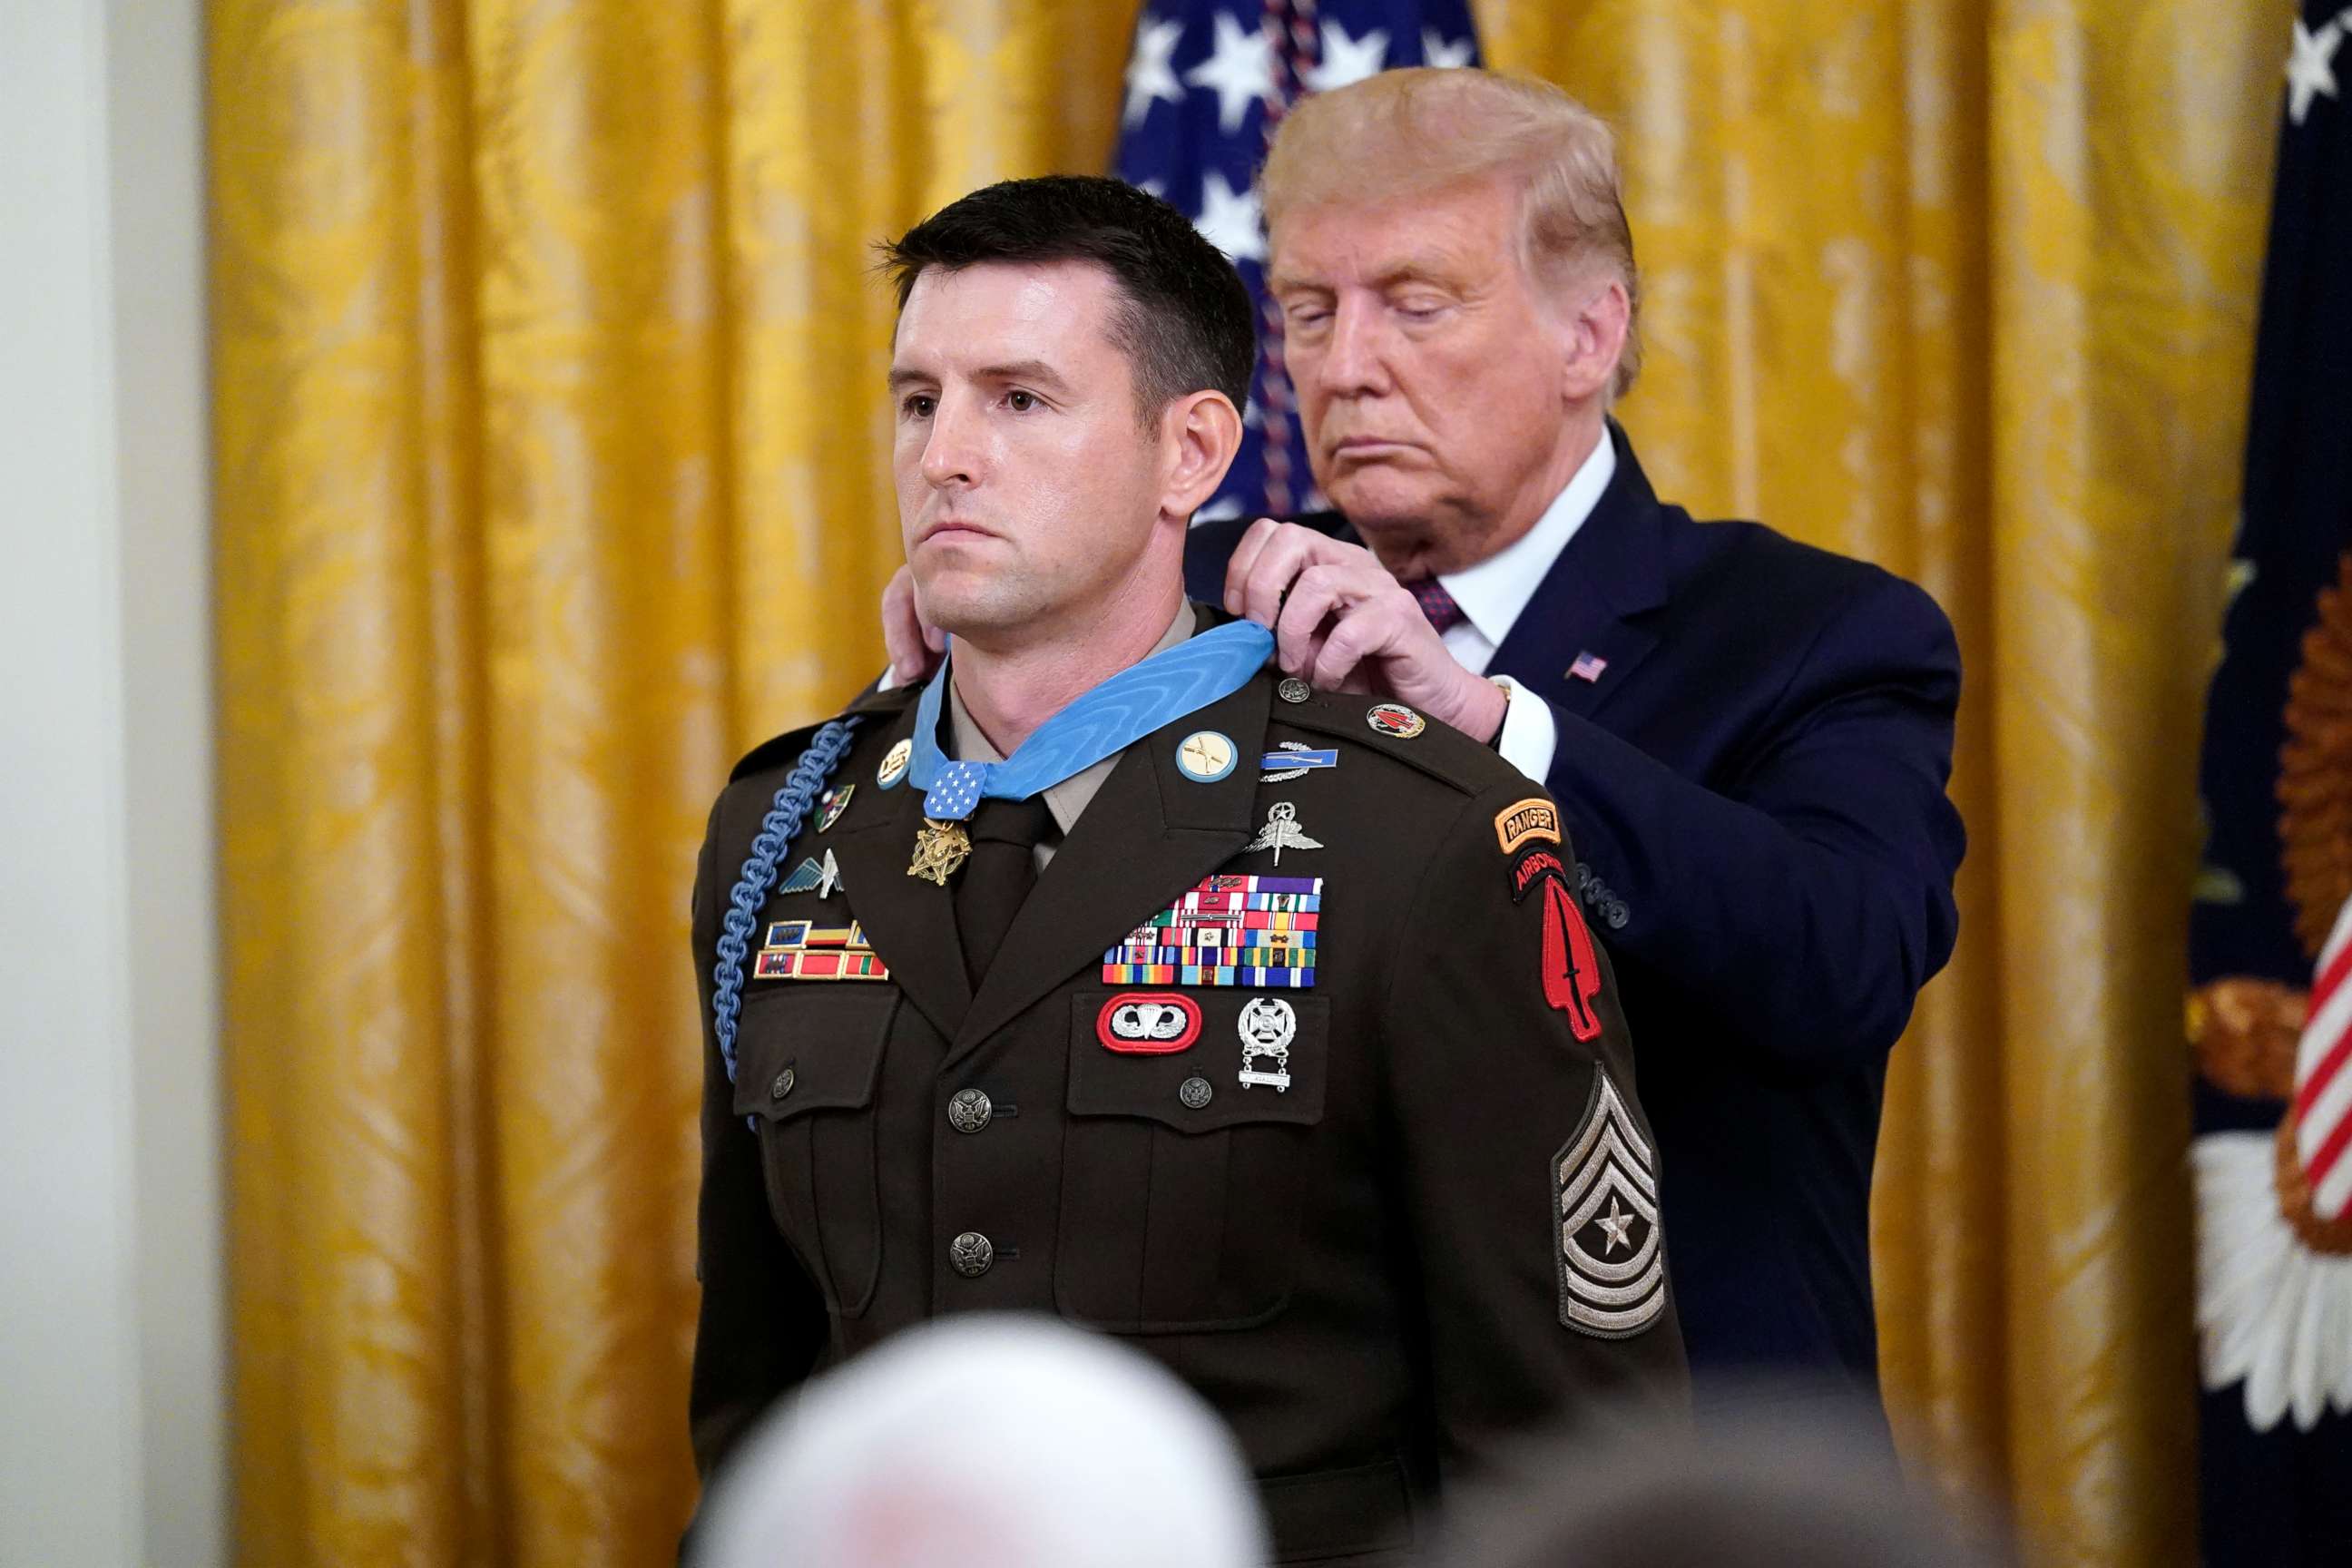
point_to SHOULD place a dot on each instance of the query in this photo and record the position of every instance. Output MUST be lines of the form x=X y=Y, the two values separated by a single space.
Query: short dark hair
x=1185 y=322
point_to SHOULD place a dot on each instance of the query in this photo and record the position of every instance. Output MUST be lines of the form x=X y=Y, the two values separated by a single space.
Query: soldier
x=1106 y=975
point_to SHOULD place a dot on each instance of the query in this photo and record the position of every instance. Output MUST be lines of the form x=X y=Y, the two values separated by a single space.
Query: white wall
x=111 y=1339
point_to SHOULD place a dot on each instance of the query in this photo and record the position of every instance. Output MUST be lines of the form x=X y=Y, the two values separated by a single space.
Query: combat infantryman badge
x=1612 y=1266
x=1267 y=1026
x=1281 y=832
x=941 y=850
x=1293 y=759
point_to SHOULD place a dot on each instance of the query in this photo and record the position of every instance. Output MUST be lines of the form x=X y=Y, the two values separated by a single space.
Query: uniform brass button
x=973 y=1254
x=1195 y=1092
x=969 y=1110
x=1293 y=691
x=783 y=1086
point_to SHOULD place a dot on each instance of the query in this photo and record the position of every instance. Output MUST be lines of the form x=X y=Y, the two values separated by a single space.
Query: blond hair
x=1407 y=132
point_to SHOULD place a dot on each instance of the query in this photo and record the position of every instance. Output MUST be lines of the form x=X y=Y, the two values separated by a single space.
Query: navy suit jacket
x=1754 y=788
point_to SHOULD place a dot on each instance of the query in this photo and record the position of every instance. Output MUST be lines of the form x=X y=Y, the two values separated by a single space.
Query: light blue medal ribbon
x=1109 y=719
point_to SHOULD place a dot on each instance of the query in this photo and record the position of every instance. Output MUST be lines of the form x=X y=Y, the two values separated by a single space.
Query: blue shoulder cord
x=777 y=831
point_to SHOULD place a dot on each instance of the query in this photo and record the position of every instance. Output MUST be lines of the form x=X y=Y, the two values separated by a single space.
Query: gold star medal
x=941 y=849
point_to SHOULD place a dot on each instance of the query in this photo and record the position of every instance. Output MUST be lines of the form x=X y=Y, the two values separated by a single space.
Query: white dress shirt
x=1493 y=593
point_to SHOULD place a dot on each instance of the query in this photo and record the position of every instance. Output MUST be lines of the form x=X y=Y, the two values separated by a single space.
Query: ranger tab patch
x=1231 y=930
x=1523 y=822
x=1604 y=1205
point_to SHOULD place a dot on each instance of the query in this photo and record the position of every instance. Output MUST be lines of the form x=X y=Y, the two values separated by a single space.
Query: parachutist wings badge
x=1612 y=1262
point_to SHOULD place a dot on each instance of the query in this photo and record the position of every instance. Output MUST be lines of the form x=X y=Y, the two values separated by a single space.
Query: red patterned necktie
x=1436 y=603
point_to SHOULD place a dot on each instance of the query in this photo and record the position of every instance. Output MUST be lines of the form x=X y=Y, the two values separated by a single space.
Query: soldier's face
x=1028 y=489
x=1428 y=369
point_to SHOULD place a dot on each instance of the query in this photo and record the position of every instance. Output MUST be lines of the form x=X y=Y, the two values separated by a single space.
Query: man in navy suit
x=1750 y=738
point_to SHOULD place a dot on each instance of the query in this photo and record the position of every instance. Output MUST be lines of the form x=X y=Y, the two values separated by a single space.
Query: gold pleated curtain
x=550 y=453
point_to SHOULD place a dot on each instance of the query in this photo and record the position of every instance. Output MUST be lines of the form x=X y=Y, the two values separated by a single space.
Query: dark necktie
x=996 y=879
x=1436 y=603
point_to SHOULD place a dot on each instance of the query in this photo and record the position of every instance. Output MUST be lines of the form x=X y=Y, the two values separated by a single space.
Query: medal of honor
x=940 y=849
x=1098 y=723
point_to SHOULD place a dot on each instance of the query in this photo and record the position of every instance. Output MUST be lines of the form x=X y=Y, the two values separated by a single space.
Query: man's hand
x=914 y=647
x=1348 y=626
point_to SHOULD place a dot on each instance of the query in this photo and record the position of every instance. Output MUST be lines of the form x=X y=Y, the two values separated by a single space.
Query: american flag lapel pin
x=1588 y=667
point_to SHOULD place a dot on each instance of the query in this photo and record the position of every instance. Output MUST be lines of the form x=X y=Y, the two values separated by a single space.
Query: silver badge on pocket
x=1267 y=1027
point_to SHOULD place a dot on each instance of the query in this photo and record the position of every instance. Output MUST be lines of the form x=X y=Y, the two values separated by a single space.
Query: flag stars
x=1241 y=69
x=2311 y=68
x=1148 y=78
x=1229 y=219
x=1346 y=59
x=1437 y=53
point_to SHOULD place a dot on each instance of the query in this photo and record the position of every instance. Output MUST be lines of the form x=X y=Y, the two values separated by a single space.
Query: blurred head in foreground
x=988 y=1442
x=1774 y=1479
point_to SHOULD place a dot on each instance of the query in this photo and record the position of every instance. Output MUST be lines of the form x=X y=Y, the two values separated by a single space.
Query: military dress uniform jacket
x=1438 y=1233
x=1752 y=763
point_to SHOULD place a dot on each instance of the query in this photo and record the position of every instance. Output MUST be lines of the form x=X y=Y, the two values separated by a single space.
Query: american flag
x=1207 y=87
x=2273 y=1277
x=2322 y=1077
x=1588 y=667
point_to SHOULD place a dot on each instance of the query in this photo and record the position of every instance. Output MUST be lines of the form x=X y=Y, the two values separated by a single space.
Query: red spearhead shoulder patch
x=1572 y=970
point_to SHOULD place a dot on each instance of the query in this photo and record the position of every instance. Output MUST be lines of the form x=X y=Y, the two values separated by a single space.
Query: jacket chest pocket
x=809 y=1060
x=1185 y=1162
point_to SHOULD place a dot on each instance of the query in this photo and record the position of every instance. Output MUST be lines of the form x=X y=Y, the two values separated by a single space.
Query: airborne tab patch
x=1604 y=1193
